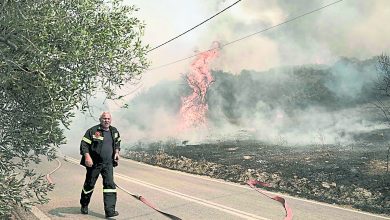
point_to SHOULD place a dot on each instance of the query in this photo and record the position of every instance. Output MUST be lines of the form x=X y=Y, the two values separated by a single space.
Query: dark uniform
x=101 y=146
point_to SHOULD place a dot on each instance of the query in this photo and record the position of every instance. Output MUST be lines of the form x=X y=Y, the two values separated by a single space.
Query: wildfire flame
x=194 y=107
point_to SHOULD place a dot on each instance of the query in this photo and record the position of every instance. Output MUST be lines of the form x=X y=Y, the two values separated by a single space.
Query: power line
x=234 y=41
x=183 y=34
x=250 y=35
x=193 y=27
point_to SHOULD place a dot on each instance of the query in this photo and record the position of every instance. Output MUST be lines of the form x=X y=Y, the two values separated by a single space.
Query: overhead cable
x=247 y=36
x=193 y=27
x=185 y=33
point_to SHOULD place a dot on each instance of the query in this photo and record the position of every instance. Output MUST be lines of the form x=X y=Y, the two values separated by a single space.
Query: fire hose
x=251 y=183
x=138 y=197
x=48 y=178
x=146 y=202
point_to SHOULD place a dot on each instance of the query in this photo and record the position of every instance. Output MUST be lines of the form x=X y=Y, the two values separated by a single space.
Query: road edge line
x=245 y=187
x=214 y=205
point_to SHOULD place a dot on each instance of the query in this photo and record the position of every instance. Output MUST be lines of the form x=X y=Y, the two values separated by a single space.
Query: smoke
x=348 y=28
x=152 y=114
x=350 y=77
x=253 y=96
x=312 y=126
x=75 y=133
x=296 y=105
x=300 y=105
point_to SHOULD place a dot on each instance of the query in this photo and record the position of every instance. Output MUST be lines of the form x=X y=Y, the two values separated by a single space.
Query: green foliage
x=54 y=56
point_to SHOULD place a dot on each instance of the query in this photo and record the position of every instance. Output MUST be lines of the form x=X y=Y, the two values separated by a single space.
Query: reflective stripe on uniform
x=86 y=192
x=98 y=137
x=109 y=190
x=87 y=140
x=115 y=135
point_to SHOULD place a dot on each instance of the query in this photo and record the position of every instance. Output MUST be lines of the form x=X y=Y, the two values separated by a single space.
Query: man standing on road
x=100 y=153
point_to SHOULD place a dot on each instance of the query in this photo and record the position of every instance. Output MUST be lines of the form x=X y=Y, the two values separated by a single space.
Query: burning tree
x=194 y=107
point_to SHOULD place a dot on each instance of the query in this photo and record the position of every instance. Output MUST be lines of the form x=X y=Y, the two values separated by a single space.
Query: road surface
x=183 y=195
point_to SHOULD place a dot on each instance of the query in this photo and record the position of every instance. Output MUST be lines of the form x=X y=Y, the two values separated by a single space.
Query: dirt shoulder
x=354 y=176
x=21 y=214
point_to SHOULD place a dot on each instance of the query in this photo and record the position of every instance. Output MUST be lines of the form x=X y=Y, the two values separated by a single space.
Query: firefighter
x=100 y=153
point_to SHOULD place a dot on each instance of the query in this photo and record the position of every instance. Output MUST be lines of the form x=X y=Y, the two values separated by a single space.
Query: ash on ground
x=353 y=176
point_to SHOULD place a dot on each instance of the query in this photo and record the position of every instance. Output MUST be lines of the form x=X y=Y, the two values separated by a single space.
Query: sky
x=350 y=28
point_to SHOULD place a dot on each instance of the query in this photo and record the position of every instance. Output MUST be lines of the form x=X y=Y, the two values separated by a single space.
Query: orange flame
x=194 y=107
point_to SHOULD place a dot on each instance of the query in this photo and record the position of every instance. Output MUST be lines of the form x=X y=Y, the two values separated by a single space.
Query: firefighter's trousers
x=109 y=189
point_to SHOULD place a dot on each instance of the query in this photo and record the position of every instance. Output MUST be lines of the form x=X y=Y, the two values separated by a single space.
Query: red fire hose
x=48 y=175
x=253 y=183
x=146 y=202
x=140 y=198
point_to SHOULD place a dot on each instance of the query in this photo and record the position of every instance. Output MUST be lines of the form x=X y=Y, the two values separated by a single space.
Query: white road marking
x=214 y=205
x=246 y=187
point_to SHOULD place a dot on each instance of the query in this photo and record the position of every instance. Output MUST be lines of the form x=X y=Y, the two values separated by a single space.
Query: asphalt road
x=183 y=195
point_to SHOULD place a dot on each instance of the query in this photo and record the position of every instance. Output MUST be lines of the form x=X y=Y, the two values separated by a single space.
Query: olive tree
x=54 y=56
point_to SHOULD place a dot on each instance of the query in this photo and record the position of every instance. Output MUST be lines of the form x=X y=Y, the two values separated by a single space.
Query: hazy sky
x=353 y=28
x=356 y=28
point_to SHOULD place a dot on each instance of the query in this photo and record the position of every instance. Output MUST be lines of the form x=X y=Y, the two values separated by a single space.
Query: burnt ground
x=353 y=176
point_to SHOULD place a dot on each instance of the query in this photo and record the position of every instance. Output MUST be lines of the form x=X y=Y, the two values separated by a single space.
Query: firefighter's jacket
x=92 y=143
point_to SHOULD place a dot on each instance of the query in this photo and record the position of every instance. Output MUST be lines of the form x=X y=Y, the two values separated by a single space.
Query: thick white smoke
x=347 y=29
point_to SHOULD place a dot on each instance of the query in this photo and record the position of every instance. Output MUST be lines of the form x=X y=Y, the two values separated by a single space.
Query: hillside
x=311 y=131
x=332 y=103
